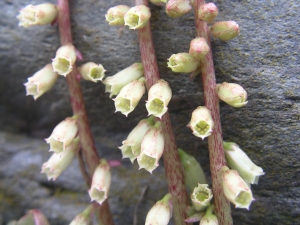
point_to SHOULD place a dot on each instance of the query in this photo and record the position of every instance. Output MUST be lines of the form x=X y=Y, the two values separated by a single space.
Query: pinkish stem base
x=173 y=167
x=215 y=141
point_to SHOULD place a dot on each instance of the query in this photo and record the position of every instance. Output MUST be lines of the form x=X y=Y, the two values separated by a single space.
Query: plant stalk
x=215 y=140
x=86 y=139
x=172 y=164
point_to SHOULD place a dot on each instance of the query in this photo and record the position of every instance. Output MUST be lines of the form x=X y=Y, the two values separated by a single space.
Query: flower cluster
x=135 y=18
x=144 y=143
x=64 y=142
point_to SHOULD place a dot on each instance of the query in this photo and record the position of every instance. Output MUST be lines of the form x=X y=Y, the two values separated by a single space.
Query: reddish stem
x=78 y=106
x=173 y=167
x=215 y=141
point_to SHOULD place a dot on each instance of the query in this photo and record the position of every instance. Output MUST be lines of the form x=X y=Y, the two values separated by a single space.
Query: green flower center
x=202 y=127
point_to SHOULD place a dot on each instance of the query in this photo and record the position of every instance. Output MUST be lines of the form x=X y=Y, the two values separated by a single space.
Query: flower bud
x=114 y=84
x=91 y=71
x=193 y=173
x=137 y=17
x=183 y=63
x=64 y=59
x=100 y=182
x=201 y=197
x=225 y=30
x=160 y=213
x=178 y=8
x=159 y=96
x=158 y=2
x=84 y=218
x=129 y=96
x=238 y=160
x=201 y=122
x=208 y=12
x=209 y=219
x=233 y=94
x=33 y=217
x=235 y=188
x=37 y=15
x=199 y=48
x=131 y=147
x=42 y=81
x=115 y=15
x=63 y=135
x=152 y=148
x=59 y=162
x=196 y=217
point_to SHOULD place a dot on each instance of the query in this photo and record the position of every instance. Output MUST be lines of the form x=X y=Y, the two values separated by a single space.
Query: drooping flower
x=59 y=162
x=37 y=15
x=115 y=83
x=137 y=17
x=42 y=81
x=152 y=148
x=129 y=96
x=233 y=94
x=225 y=30
x=235 y=188
x=159 y=96
x=115 y=15
x=100 y=182
x=160 y=213
x=131 y=147
x=238 y=160
x=63 y=135
x=201 y=122
x=64 y=59
x=91 y=71
x=183 y=63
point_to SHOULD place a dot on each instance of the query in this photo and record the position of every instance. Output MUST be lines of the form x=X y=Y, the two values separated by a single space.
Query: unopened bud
x=193 y=173
x=160 y=213
x=199 y=48
x=208 y=12
x=137 y=17
x=183 y=63
x=235 y=188
x=131 y=147
x=159 y=96
x=196 y=217
x=91 y=71
x=152 y=148
x=233 y=94
x=178 y=8
x=201 y=197
x=225 y=30
x=158 y=2
x=201 y=122
x=37 y=15
x=64 y=59
x=63 y=135
x=115 y=15
x=238 y=160
x=100 y=182
x=84 y=218
x=129 y=96
x=115 y=83
x=59 y=162
x=33 y=217
x=210 y=219
x=41 y=82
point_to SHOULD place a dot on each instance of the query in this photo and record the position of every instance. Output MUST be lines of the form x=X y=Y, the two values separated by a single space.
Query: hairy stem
x=215 y=141
x=173 y=167
x=86 y=139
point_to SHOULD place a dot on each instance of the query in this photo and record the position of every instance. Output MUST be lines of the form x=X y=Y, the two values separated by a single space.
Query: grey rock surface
x=264 y=59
